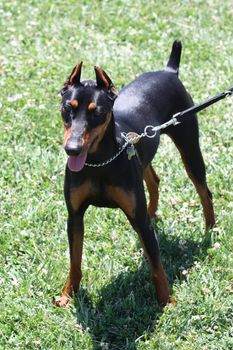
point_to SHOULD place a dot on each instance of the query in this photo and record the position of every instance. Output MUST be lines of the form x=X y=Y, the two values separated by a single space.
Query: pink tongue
x=76 y=163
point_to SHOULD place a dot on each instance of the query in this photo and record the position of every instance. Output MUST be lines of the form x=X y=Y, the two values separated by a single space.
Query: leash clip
x=174 y=119
x=228 y=93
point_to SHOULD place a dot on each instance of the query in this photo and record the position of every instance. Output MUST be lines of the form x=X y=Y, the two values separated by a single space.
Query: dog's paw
x=62 y=301
x=169 y=301
x=158 y=217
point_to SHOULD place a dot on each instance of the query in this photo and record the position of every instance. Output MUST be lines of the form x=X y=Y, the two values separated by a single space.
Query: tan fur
x=152 y=183
x=78 y=195
x=91 y=106
x=67 y=133
x=125 y=200
x=99 y=133
x=74 y=104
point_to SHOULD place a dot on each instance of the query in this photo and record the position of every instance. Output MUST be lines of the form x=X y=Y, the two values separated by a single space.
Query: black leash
x=203 y=105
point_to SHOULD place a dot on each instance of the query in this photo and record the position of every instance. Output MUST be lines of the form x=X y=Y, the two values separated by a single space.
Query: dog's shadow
x=127 y=307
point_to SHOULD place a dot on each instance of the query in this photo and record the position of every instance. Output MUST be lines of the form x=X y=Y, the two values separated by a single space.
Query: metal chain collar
x=97 y=165
x=131 y=138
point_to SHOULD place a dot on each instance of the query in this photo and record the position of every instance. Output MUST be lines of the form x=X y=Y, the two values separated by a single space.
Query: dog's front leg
x=75 y=229
x=76 y=204
x=133 y=203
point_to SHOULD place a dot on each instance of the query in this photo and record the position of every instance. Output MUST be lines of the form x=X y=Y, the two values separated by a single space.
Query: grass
x=116 y=308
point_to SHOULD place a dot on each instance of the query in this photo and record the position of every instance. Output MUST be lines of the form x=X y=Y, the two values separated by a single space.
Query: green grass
x=116 y=308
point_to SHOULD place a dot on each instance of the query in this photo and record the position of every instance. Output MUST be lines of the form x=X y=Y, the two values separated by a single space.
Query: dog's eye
x=67 y=107
x=98 y=117
x=66 y=120
x=99 y=111
x=65 y=112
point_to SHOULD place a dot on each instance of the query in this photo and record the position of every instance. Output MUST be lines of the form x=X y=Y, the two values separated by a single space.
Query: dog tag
x=131 y=151
x=132 y=137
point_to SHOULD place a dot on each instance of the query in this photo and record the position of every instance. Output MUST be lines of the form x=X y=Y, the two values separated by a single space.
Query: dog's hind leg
x=142 y=224
x=152 y=183
x=186 y=139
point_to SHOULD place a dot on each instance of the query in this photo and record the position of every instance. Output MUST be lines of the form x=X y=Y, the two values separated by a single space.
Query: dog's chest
x=101 y=194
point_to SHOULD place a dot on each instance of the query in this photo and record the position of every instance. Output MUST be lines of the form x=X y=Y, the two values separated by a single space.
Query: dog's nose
x=73 y=148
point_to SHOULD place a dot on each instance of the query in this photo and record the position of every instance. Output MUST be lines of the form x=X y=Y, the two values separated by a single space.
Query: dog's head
x=86 y=112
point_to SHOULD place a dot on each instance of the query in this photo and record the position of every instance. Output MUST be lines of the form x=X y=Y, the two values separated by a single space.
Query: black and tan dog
x=94 y=118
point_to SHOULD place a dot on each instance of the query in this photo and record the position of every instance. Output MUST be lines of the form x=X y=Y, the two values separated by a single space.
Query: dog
x=103 y=172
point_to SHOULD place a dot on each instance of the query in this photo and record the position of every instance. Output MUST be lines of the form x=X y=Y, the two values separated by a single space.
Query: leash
x=150 y=131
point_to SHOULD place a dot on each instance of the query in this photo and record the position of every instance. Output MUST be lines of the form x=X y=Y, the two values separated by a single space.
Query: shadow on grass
x=128 y=309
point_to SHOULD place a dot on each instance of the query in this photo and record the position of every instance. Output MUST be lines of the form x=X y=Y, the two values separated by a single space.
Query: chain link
x=97 y=165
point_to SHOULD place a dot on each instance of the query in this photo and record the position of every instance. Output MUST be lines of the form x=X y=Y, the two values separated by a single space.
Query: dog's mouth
x=76 y=163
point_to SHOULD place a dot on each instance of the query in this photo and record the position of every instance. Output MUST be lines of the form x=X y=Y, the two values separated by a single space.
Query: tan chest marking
x=79 y=194
x=126 y=200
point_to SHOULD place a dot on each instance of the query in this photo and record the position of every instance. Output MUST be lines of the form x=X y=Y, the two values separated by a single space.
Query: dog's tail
x=174 y=59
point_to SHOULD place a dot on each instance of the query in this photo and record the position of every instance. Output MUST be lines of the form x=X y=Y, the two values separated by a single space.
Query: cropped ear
x=75 y=76
x=103 y=81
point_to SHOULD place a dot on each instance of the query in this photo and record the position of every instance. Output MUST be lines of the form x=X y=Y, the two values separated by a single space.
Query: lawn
x=116 y=308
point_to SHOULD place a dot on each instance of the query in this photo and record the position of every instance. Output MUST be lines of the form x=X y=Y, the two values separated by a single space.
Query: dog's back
x=151 y=99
